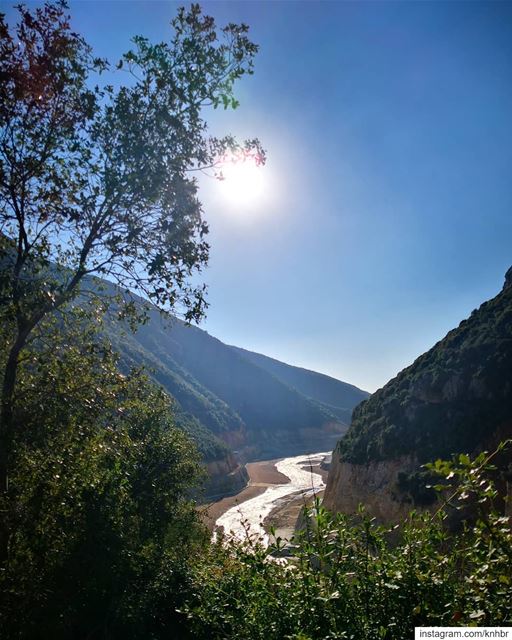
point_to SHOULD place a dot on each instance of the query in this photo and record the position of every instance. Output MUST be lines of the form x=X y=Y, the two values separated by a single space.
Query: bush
x=350 y=578
x=99 y=501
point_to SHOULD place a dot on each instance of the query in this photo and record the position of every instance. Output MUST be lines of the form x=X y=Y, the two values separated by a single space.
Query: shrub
x=348 y=577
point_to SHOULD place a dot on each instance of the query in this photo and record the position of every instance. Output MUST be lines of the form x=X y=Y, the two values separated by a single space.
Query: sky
x=384 y=216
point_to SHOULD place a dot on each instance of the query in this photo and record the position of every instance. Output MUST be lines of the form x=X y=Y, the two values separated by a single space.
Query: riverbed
x=247 y=518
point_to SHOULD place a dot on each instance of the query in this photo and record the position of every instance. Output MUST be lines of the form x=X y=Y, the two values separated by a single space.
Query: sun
x=242 y=182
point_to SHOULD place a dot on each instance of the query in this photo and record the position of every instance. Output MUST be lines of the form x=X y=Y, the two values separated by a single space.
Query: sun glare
x=242 y=183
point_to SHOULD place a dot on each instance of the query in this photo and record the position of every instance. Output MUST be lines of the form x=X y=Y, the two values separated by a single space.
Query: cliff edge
x=456 y=398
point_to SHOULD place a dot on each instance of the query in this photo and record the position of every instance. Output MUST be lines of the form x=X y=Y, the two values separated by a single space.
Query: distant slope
x=337 y=397
x=155 y=348
x=252 y=407
x=455 y=398
x=245 y=405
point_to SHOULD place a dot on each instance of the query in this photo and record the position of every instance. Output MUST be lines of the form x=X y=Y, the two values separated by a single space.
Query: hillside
x=248 y=408
x=236 y=405
x=337 y=397
x=455 y=398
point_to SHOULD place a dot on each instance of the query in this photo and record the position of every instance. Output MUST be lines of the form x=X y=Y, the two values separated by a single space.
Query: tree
x=102 y=524
x=97 y=179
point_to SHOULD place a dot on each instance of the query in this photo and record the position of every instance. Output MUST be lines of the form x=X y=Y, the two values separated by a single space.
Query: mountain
x=234 y=408
x=235 y=404
x=456 y=398
x=335 y=396
x=247 y=407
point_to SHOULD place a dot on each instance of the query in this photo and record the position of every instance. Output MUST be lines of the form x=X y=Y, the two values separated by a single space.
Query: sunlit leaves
x=98 y=179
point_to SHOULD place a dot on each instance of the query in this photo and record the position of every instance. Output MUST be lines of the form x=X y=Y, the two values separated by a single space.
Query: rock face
x=375 y=485
x=225 y=477
x=456 y=398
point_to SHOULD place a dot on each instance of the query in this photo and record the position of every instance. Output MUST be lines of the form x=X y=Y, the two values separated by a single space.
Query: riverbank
x=277 y=487
x=262 y=475
x=284 y=516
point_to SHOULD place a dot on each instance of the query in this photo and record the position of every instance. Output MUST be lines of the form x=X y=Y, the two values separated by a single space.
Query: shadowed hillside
x=338 y=397
x=253 y=411
x=246 y=403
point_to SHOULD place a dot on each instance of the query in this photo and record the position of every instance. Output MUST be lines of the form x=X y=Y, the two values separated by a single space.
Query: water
x=246 y=519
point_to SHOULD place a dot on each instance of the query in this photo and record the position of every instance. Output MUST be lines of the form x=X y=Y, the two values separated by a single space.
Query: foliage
x=97 y=178
x=350 y=578
x=453 y=398
x=98 y=507
x=415 y=487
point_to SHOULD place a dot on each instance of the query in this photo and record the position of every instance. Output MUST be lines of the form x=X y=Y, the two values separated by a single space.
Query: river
x=246 y=519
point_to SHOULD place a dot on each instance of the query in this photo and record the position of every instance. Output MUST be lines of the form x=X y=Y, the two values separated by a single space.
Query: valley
x=236 y=405
x=161 y=482
x=290 y=482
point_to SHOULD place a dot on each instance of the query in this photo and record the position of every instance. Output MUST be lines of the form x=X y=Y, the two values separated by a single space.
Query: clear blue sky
x=388 y=214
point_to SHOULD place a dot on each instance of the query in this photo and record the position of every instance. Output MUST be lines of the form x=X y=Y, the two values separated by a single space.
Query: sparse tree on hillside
x=98 y=179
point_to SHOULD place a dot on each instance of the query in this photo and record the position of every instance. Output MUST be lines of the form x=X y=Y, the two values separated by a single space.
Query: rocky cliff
x=455 y=398
x=225 y=476
x=375 y=485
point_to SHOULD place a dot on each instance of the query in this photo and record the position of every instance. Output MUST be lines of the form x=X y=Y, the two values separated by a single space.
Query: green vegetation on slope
x=155 y=347
x=232 y=396
x=336 y=396
x=261 y=400
x=454 y=398
x=198 y=412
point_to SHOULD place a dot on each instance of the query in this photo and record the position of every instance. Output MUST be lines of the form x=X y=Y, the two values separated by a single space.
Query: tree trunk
x=7 y=402
x=6 y=434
